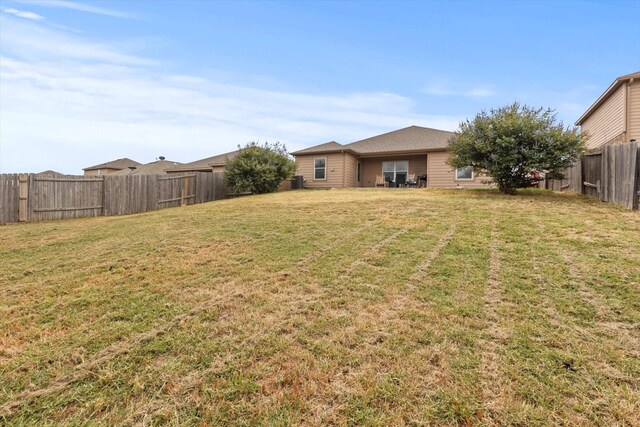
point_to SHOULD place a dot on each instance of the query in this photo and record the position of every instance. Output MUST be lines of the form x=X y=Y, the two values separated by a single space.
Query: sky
x=86 y=82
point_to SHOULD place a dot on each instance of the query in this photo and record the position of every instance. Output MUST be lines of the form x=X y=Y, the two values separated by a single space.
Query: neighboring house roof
x=50 y=173
x=409 y=139
x=607 y=93
x=159 y=167
x=208 y=163
x=114 y=164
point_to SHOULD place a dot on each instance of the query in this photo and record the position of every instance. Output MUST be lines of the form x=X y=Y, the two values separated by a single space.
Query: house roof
x=50 y=173
x=207 y=163
x=159 y=167
x=409 y=139
x=412 y=138
x=607 y=93
x=327 y=147
x=114 y=164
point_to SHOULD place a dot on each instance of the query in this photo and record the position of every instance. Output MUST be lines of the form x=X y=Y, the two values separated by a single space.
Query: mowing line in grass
x=605 y=319
x=159 y=328
x=349 y=308
x=328 y=248
x=552 y=360
x=495 y=387
x=191 y=380
x=424 y=266
x=84 y=369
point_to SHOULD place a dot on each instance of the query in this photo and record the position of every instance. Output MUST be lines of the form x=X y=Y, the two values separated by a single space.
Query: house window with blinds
x=320 y=168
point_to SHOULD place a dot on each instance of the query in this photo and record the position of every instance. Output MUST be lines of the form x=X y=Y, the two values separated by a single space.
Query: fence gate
x=64 y=197
x=592 y=174
x=176 y=191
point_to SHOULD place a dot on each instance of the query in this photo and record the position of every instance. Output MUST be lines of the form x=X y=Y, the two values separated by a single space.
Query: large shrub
x=512 y=142
x=258 y=168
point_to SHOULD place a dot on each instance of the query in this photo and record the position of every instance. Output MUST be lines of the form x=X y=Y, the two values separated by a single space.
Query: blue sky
x=82 y=83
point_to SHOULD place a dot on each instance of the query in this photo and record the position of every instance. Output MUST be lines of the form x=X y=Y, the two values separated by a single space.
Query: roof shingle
x=409 y=139
x=412 y=138
x=207 y=163
x=159 y=167
x=114 y=164
x=322 y=148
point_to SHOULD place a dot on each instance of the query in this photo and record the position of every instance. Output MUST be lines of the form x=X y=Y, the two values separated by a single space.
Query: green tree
x=511 y=142
x=259 y=168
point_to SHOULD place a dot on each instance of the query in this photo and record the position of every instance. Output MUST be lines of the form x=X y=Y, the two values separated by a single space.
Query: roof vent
x=162 y=158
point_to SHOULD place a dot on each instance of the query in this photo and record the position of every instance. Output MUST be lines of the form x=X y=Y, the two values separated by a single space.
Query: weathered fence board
x=30 y=197
x=204 y=190
x=619 y=164
x=9 y=198
x=63 y=198
x=611 y=174
x=572 y=180
x=219 y=188
x=592 y=174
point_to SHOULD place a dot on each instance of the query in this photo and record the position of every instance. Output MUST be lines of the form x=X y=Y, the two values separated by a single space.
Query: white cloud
x=443 y=89
x=41 y=42
x=23 y=14
x=81 y=7
x=90 y=102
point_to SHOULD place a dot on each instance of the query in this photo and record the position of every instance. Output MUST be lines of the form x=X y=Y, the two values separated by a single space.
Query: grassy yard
x=343 y=307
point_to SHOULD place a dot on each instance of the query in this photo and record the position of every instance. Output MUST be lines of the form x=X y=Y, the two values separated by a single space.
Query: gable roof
x=207 y=163
x=114 y=164
x=409 y=139
x=412 y=138
x=327 y=147
x=607 y=93
x=159 y=167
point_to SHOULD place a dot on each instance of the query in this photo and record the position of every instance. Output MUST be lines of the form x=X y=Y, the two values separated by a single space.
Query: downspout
x=627 y=111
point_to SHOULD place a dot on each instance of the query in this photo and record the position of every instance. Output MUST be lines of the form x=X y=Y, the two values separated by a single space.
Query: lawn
x=341 y=307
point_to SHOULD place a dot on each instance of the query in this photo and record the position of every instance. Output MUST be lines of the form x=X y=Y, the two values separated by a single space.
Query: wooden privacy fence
x=611 y=174
x=31 y=197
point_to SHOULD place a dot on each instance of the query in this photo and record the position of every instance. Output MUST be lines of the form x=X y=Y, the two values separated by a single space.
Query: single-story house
x=159 y=167
x=110 y=167
x=615 y=116
x=210 y=164
x=412 y=151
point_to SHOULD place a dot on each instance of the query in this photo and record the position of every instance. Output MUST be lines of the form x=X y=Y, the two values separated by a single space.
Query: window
x=464 y=173
x=393 y=170
x=320 y=168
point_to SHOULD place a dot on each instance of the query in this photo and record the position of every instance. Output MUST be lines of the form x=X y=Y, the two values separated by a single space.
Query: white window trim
x=315 y=168
x=465 y=179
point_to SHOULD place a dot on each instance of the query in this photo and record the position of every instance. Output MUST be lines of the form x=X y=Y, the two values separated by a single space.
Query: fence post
x=23 y=206
x=104 y=198
x=635 y=203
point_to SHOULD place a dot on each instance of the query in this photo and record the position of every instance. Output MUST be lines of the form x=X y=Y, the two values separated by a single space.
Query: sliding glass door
x=395 y=171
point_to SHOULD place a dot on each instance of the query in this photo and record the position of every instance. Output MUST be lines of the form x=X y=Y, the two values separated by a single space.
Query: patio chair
x=380 y=181
x=411 y=180
x=401 y=180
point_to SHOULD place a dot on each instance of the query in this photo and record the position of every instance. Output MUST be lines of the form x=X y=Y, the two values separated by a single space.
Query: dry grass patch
x=313 y=308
